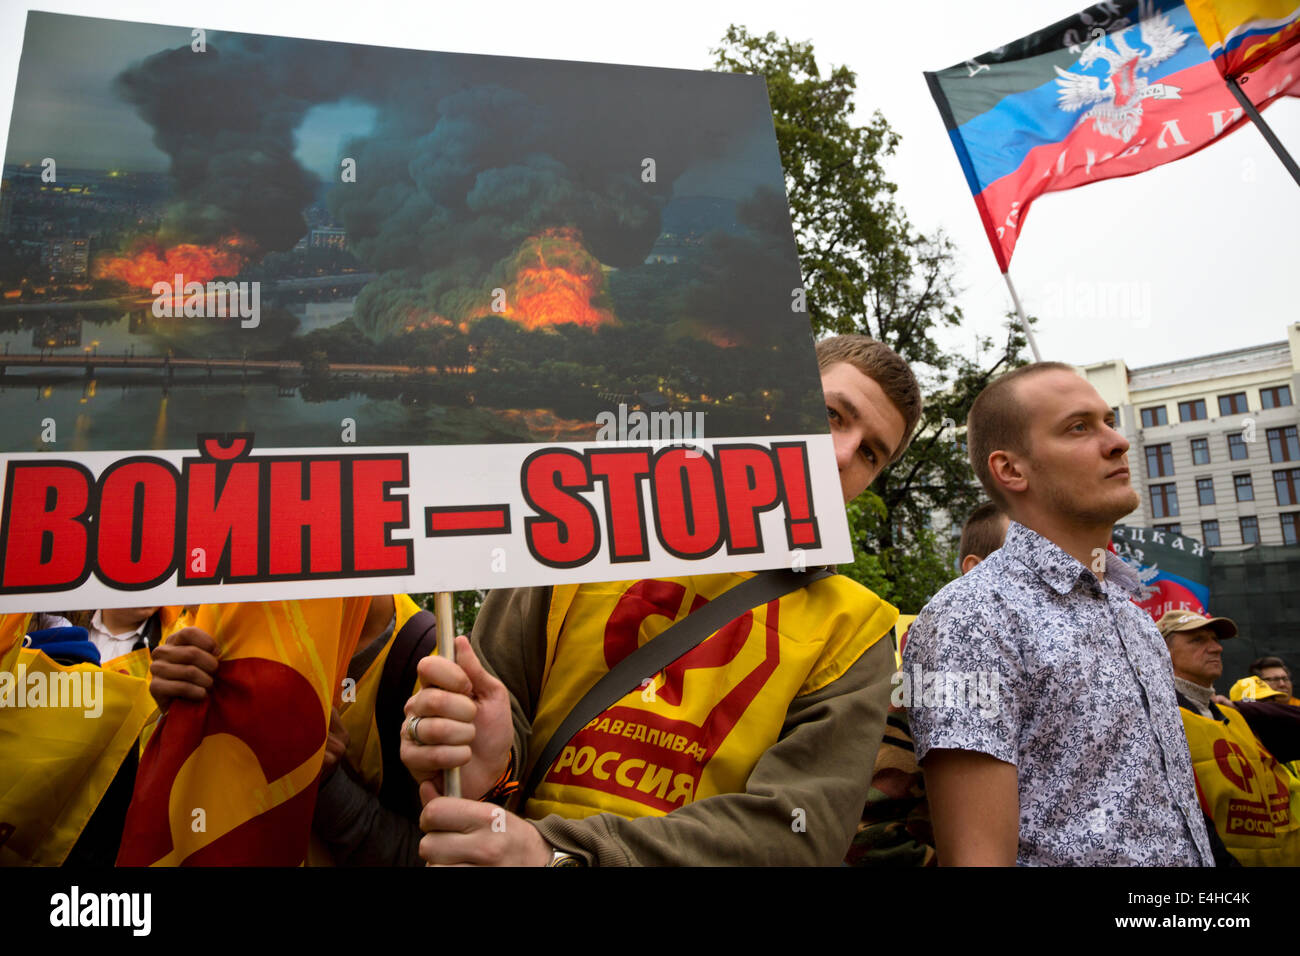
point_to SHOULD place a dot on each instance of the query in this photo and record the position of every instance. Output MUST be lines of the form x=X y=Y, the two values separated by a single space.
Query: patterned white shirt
x=1084 y=708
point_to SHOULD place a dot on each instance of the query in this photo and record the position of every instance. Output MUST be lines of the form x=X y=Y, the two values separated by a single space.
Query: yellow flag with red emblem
x=231 y=780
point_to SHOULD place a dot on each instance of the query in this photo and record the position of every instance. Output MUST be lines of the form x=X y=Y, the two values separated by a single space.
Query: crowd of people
x=1038 y=716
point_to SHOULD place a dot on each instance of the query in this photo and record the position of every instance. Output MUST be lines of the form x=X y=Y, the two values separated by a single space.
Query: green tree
x=866 y=269
x=465 y=606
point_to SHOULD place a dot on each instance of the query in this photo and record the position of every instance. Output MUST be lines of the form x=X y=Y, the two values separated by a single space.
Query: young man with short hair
x=781 y=710
x=1083 y=760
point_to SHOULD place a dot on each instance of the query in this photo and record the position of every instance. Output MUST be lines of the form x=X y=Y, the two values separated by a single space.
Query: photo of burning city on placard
x=215 y=232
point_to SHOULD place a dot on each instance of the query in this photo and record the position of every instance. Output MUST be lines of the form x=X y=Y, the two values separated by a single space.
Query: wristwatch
x=560 y=858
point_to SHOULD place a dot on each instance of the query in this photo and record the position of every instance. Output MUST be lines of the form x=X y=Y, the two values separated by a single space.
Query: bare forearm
x=974 y=808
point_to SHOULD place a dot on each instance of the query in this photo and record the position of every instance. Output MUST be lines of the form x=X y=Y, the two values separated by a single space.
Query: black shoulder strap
x=416 y=639
x=653 y=656
x=150 y=633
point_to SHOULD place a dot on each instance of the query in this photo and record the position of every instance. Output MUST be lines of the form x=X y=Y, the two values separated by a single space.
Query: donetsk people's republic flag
x=1112 y=91
x=1243 y=35
x=1174 y=569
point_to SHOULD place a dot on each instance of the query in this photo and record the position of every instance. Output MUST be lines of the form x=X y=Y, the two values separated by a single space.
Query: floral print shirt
x=1076 y=690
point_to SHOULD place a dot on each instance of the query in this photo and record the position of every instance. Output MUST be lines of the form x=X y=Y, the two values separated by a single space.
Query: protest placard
x=291 y=318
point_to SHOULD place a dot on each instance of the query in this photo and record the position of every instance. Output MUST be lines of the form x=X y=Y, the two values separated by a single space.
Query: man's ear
x=969 y=562
x=1008 y=471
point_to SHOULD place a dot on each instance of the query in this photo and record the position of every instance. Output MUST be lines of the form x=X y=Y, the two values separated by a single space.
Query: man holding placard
x=754 y=747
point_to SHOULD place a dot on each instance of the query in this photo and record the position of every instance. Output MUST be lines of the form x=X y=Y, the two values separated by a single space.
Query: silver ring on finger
x=412 y=728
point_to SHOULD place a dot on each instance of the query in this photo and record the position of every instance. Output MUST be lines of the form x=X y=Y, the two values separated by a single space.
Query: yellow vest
x=358 y=713
x=1253 y=800
x=701 y=725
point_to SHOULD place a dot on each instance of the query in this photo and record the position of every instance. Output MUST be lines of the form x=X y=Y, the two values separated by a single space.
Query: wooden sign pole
x=442 y=604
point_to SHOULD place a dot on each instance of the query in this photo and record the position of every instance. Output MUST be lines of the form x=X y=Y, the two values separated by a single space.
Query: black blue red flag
x=1114 y=90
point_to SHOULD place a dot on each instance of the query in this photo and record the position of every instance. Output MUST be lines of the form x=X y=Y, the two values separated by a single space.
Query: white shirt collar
x=112 y=645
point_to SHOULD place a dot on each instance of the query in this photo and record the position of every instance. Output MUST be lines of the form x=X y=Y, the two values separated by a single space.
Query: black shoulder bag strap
x=150 y=633
x=654 y=655
x=416 y=639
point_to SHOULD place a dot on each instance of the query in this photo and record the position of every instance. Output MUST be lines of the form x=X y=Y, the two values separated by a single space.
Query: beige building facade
x=1215 y=449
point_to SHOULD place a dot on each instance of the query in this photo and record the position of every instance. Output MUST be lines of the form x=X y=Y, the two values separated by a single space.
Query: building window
x=1234 y=404
x=1171 y=528
x=1192 y=411
x=1290 y=533
x=1200 y=451
x=1210 y=534
x=1205 y=491
x=1250 y=530
x=1275 y=397
x=1164 y=500
x=1287 y=485
x=1244 y=487
x=1237 y=450
x=1283 y=444
x=1155 y=415
x=1160 y=460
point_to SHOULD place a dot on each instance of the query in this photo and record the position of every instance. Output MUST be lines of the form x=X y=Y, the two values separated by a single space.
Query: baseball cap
x=1253 y=688
x=1172 y=621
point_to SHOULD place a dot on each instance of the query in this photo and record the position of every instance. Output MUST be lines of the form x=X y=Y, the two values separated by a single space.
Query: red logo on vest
x=650 y=758
x=1229 y=757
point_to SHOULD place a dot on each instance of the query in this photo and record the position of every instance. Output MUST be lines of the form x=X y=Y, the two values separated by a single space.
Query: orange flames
x=149 y=261
x=423 y=319
x=556 y=281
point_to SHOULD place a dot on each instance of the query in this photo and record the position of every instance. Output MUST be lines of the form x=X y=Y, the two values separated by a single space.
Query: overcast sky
x=1194 y=257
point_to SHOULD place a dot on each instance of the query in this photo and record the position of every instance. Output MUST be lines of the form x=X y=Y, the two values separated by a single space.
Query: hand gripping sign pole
x=442 y=603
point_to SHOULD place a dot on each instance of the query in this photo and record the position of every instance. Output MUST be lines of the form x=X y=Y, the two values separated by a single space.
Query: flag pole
x=1269 y=136
x=1024 y=322
x=442 y=605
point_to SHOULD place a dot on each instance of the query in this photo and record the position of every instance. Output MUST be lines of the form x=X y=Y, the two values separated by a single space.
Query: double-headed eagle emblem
x=1118 y=96
x=1147 y=584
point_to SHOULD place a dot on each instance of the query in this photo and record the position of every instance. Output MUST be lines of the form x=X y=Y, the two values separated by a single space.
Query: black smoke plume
x=469 y=156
